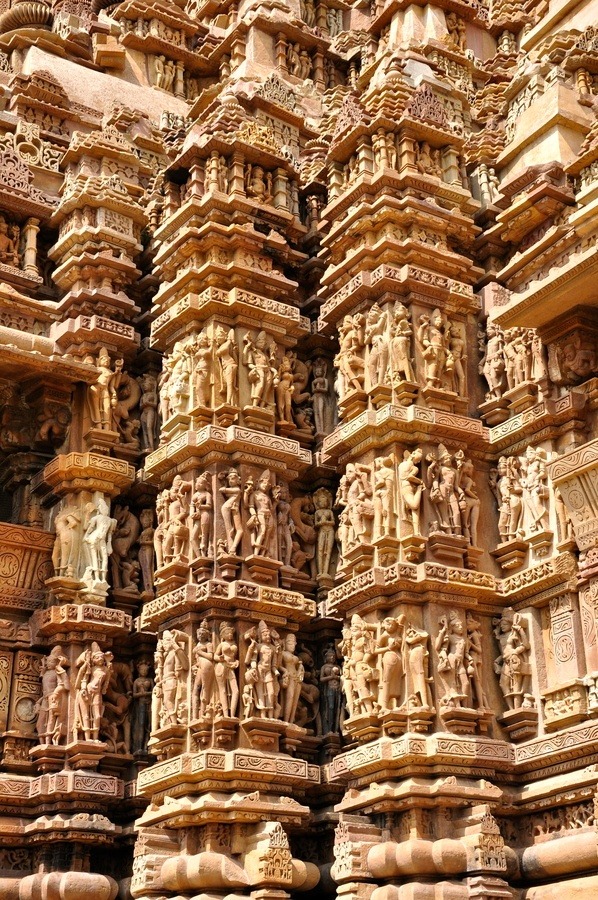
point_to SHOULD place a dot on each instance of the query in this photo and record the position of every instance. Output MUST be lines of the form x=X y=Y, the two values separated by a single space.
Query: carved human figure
x=475 y=654
x=227 y=355
x=451 y=647
x=50 y=709
x=126 y=533
x=262 y=670
x=145 y=553
x=565 y=524
x=98 y=540
x=202 y=517
x=534 y=480
x=67 y=546
x=284 y=390
x=469 y=502
x=322 y=407
x=102 y=395
x=513 y=665
x=360 y=507
x=325 y=529
x=400 y=346
x=492 y=365
x=9 y=245
x=262 y=521
x=176 y=530
x=179 y=381
x=203 y=673
x=202 y=369
x=455 y=372
x=292 y=674
x=148 y=405
x=349 y=359
x=260 y=358
x=258 y=184
x=432 y=341
x=160 y=532
x=442 y=479
x=457 y=30
x=411 y=488
x=376 y=342
x=330 y=693
x=416 y=648
x=141 y=707
x=362 y=672
x=390 y=649
x=115 y=726
x=284 y=524
x=384 y=497
x=172 y=665
x=226 y=664
x=94 y=669
x=231 y=509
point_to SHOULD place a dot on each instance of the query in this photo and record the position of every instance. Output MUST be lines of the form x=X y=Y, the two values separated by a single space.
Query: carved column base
x=286 y=429
x=94 y=592
x=202 y=732
x=294 y=580
x=229 y=565
x=202 y=567
x=331 y=745
x=444 y=401
x=359 y=558
x=510 y=554
x=404 y=393
x=226 y=415
x=420 y=718
x=225 y=731
x=495 y=411
x=85 y=754
x=171 y=576
x=412 y=547
x=168 y=741
x=473 y=556
x=353 y=404
x=520 y=724
x=175 y=426
x=101 y=440
x=450 y=548
x=325 y=583
x=394 y=722
x=126 y=599
x=541 y=542
x=380 y=395
x=522 y=397
x=387 y=550
x=460 y=719
x=263 y=734
x=260 y=419
x=48 y=757
x=364 y=727
x=262 y=569
x=116 y=763
x=201 y=416
x=65 y=589
x=292 y=739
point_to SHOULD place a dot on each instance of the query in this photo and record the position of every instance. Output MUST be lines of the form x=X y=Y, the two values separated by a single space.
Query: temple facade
x=298 y=450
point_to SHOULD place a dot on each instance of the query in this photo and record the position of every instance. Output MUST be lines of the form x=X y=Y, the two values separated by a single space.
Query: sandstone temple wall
x=298 y=450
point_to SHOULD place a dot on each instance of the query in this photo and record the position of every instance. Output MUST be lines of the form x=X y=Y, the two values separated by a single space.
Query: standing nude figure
x=325 y=530
x=262 y=521
x=226 y=664
x=201 y=514
x=411 y=488
x=228 y=359
x=231 y=509
x=203 y=669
